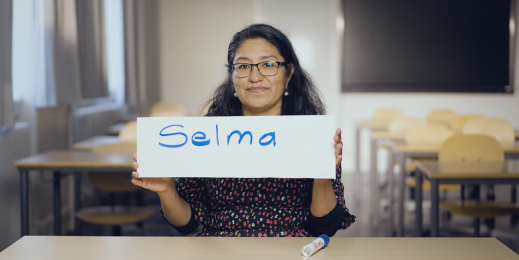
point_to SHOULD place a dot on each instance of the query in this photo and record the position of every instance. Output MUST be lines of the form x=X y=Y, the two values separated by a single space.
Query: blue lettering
x=217 y=140
x=200 y=143
x=241 y=136
x=172 y=145
x=272 y=139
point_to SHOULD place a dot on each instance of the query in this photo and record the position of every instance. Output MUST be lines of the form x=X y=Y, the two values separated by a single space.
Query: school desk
x=457 y=173
x=95 y=141
x=401 y=151
x=63 y=162
x=227 y=248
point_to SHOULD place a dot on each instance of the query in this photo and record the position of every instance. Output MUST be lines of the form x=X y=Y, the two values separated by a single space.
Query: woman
x=264 y=79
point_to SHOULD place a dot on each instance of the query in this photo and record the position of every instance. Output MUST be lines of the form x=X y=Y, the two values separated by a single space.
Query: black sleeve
x=327 y=224
x=191 y=226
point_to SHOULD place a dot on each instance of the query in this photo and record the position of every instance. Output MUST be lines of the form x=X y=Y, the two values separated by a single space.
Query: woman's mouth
x=257 y=89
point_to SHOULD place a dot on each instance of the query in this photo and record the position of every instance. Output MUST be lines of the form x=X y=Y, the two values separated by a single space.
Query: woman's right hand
x=159 y=185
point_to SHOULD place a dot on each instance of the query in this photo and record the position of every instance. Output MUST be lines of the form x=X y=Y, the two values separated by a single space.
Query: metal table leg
x=77 y=202
x=24 y=201
x=401 y=194
x=418 y=202
x=391 y=183
x=375 y=198
x=57 y=202
x=435 y=223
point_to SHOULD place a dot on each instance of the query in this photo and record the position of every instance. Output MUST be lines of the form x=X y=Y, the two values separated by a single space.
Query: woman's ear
x=292 y=69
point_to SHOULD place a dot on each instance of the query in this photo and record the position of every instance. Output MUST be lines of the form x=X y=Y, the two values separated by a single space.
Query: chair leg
x=490 y=222
x=514 y=219
x=476 y=227
x=117 y=231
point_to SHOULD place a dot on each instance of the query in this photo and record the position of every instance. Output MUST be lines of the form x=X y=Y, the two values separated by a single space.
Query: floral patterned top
x=262 y=207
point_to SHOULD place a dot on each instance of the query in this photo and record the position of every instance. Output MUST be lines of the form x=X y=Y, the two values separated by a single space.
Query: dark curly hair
x=304 y=97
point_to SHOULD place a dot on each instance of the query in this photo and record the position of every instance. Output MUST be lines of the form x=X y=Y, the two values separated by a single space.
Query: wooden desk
x=457 y=173
x=65 y=161
x=400 y=152
x=227 y=248
x=95 y=141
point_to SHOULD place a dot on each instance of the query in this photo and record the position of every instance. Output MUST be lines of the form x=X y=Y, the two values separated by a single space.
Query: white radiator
x=93 y=120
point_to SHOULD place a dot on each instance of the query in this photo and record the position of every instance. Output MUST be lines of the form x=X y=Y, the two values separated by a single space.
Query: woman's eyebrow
x=261 y=58
x=268 y=56
x=243 y=58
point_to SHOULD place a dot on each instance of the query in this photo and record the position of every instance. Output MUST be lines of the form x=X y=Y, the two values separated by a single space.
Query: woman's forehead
x=258 y=49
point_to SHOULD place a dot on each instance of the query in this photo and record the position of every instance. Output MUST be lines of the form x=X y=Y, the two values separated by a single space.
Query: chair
x=458 y=123
x=499 y=129
x=128 y=133
x=166 y=106
x=386 y=115
x=470 y=149
x=118 y=182
x=430 y=135
x=441 y=116
x=404 y=124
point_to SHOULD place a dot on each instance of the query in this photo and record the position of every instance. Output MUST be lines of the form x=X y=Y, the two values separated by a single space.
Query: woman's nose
x=255 y=75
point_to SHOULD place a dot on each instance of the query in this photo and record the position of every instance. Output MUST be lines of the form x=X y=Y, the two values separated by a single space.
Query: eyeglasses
x=266 y=68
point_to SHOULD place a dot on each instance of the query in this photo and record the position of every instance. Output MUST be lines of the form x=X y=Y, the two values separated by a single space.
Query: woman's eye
x=268 y=64
x=243 y=66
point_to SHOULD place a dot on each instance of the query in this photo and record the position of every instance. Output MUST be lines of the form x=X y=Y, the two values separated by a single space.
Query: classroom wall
x=194 y=36
x=314 y=29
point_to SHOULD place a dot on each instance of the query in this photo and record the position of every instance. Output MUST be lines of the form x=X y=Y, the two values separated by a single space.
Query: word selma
x=200 y=138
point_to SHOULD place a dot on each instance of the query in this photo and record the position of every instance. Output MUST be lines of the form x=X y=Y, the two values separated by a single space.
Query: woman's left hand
x=338 y=146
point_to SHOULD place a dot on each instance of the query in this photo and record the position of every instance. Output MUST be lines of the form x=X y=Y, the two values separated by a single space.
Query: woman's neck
x=275 y=111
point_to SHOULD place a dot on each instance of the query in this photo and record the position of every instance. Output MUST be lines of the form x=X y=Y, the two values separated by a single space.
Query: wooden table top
x=76 y=159
x=128 y=248
x=509 y=169
x=95 y=141
x=388 y=135
x=372 y=125
x=405 y=148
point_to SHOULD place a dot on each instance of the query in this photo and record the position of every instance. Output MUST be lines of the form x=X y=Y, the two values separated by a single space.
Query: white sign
x=237 y=147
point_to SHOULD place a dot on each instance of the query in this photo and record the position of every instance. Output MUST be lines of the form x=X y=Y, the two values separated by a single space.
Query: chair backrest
x=497 y=128
x=403 y=124
x=460 y=121
x=128 y=133
x=429 y=135
x=471 y=148
x=441 y=116
x=386 y=115
x=114 y=181
x=167 y=106
x=168 y=113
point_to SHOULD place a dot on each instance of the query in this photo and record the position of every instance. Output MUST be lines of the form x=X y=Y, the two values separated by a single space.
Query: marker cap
x=325 y=238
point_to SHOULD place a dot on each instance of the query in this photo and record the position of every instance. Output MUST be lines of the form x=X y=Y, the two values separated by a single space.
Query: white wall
x=194 y=36
x=312 y=28
x=201 y=31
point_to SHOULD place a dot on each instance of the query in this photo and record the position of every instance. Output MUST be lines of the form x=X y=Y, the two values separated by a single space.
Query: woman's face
x=259 y=94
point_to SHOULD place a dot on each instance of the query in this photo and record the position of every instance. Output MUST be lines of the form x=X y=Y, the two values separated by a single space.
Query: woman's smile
x=257 y=89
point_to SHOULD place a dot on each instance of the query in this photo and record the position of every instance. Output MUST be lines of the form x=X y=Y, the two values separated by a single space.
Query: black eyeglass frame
x=231 y=67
